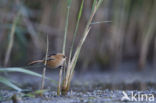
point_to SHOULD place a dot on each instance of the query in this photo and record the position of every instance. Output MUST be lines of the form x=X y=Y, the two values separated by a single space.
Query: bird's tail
x=36 y=61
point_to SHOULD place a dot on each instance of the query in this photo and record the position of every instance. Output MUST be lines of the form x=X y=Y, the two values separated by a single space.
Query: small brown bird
x=53 y=61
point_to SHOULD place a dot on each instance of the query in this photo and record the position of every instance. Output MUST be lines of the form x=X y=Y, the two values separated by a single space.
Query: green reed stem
x=76 y=29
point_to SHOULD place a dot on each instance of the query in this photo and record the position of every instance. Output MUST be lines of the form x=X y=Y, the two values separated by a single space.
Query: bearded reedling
x=53 y=61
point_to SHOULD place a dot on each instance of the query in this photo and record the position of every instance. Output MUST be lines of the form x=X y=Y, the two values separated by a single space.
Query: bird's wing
x=51 y=54
x=50 y=58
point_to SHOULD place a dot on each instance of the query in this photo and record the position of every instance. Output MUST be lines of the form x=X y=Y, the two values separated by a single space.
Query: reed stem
x=45 y=64
x=11 y=41
x=60 y=82
x=71 y=65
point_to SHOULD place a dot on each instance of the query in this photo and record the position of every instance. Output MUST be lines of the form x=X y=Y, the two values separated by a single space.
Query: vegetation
x=128 y=36
x=72 y=61
x=16 y=69
x=123 y=30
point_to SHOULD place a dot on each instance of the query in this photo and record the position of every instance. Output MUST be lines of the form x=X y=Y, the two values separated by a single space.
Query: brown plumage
x=53 y=61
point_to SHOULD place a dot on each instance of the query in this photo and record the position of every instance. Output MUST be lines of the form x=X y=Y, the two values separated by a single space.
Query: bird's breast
x=54 y=63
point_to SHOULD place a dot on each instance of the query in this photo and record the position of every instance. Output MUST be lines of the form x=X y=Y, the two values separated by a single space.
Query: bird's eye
x=64 y=56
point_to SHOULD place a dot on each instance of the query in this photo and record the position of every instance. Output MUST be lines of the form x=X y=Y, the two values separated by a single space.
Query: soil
x=87 y=87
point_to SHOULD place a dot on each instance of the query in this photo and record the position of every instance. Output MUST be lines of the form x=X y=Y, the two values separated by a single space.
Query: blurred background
x=127 y=39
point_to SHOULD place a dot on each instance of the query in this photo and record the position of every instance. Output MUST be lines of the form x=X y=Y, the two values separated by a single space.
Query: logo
x=137 y=97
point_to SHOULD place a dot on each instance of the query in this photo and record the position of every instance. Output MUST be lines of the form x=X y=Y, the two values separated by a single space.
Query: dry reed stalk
x=60 y=81
x=71 y=65
x=44 y=69
x=64 y=45
x=11 y=41
x=147 y=37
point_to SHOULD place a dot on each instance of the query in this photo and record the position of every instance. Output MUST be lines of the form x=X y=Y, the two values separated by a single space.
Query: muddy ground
x=88 y=87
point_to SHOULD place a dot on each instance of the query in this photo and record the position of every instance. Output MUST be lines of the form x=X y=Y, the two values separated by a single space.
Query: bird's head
x=59 y=56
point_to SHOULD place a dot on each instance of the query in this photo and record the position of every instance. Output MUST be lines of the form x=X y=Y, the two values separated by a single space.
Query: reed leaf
x=40 y=91
x=10 y=84
x=16 y=69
